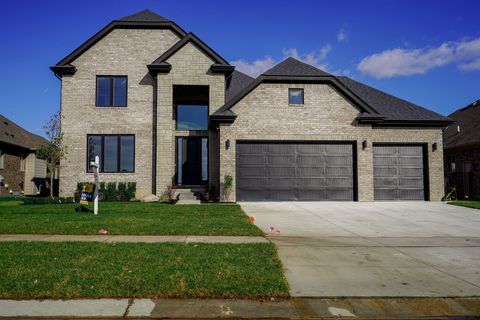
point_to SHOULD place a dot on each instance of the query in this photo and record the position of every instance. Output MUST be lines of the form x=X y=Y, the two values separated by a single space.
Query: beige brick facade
x=190 y=66
x=264 y=114
x=121 y=52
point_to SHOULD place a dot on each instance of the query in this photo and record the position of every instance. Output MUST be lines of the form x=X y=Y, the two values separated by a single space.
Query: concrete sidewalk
x=324 y=308
x=132 y=238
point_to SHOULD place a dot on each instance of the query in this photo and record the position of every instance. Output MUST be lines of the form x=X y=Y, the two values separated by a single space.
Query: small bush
x=110 y=192
x=122 y=192
x=101 y=191
x=226 y=187
x=168 y=195
x=131 y=190
x=47 y=200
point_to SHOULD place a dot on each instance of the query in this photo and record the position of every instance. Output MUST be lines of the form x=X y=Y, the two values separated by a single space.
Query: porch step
x=190 y=196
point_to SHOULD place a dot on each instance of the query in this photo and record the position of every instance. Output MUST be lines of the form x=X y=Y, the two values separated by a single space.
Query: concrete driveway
x=374 y=249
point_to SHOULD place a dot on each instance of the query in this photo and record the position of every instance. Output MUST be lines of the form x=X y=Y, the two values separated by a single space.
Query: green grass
x=167 y=270
x=126 y=218
x=469 y=204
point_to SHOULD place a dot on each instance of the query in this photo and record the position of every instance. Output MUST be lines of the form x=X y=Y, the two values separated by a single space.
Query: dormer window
x=111 y=91
x=295 y=96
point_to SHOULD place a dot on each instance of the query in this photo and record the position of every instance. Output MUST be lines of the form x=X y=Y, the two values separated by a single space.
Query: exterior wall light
x=434 y=147
x=227 y=144
x=364 y=144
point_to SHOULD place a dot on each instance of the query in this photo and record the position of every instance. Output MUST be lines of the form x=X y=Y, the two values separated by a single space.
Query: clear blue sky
x=427 y=52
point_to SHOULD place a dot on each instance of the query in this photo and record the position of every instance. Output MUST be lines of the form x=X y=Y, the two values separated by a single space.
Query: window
x=295 y=96
x=192 y=117
x=111 y=91
x=2 y=156
x=22 y=163
x=116 y=152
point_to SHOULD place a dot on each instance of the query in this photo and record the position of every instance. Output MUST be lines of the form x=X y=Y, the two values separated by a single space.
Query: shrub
x=110 y=192
x=101 y=191
x=122 y=192
x=169 y=193
x=227 y=188
x=47 y=200
x=131 y=190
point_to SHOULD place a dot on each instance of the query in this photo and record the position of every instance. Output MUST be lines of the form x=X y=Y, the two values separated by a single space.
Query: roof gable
x=142 y=20
x=468 y=121
x=190 y=38
x=293 y=67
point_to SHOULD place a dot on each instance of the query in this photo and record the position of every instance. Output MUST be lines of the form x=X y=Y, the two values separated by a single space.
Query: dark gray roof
x=292 y=67
x=13 y=134
x=391 y=107
x=238 y=82
x=144 y=16
x=468 y=119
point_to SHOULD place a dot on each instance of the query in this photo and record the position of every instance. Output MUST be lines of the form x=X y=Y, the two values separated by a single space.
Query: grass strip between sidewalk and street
x=67 y=270
x=127 y=218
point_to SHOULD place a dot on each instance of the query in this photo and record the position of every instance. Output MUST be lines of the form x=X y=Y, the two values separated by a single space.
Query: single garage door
x=398 y=172
x=282 y=171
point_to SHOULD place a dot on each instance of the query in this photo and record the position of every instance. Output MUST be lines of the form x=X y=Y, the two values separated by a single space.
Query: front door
x=192 y=161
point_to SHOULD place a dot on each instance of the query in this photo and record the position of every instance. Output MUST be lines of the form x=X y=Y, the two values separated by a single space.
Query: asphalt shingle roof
x=468 y=119
x=13 y=134
x=295 y=68
x=144 y=16
x=238 y=82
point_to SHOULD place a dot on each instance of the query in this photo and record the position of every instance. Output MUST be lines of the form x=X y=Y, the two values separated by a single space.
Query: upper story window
x=111 y=91
x=116 y=152
x=295 y=96
x=23 y=163
x=192 y=117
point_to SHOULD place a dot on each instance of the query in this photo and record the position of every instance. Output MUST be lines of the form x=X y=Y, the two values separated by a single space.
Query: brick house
x=461 y=143
x=160 y=107
x=21 y=172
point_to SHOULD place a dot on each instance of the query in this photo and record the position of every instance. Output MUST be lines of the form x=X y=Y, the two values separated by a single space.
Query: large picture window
x=111 y=91
x=192 y=117
x=116 y=152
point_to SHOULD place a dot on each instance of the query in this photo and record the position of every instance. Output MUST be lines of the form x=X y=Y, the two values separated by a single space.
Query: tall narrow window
x=116 y=152
x=111 y=91
x=2 y=156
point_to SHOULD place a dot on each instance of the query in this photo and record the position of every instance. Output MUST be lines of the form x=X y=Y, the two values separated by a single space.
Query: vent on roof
x=5 y=122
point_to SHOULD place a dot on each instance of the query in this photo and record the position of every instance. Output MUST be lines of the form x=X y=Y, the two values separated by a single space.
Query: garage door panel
x=385 y=171
x=314 y=149
x=280 y=160
x=254 y=171
x=252 y=183
x=251 y=159
x=310 y=172
x=280 y=171
x=280 y=195
x=339 y=171
x=254 y=195
x=398 y=172
x=340 y=160
x=295 y=171
x=339 y=194
x=310 y=183
x=339 y=182
x=310 y=160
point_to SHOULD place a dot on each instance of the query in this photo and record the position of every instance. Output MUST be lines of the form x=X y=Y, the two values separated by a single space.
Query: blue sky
x=427 y=52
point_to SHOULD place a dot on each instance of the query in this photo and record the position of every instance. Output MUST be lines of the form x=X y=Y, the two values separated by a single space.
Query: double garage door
x=308 y=171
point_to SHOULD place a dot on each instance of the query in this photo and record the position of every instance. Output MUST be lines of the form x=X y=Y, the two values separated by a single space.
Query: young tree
x=53 y=151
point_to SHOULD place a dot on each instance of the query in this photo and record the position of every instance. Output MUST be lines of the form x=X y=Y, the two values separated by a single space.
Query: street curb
x=298 y=308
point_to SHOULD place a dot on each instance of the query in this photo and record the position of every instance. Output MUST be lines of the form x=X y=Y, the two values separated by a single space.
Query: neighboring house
x=160 y=107
x=21 y=172
x=461 y=143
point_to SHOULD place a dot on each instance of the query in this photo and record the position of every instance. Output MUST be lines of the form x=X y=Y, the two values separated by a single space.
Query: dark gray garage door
x=294 y=171
x=398 y=173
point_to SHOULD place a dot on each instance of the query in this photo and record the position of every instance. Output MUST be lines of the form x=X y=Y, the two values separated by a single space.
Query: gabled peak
x=144 y=16
x=291 y=67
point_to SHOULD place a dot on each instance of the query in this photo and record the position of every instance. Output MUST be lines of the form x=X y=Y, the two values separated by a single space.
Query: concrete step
x=189 y=196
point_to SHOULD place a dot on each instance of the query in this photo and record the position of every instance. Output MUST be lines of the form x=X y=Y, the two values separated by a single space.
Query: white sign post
x=96 y=167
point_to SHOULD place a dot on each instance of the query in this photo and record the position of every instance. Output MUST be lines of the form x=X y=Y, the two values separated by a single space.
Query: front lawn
x=126 y=218
x=469 y=204
x=60 y=270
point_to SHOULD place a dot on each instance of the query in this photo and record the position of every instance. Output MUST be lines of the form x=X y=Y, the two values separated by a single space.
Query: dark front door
x=192 y=156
